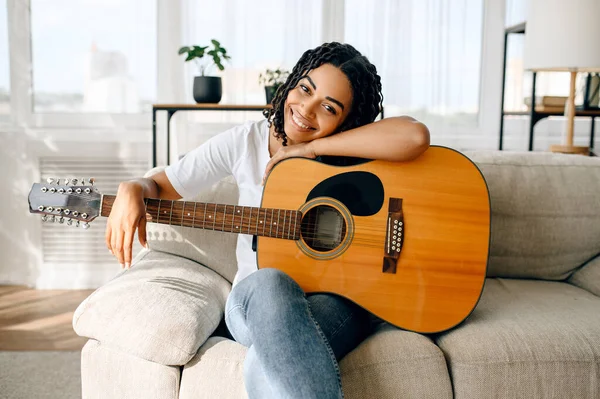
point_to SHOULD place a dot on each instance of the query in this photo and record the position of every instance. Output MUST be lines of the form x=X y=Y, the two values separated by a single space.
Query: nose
x=309 y=107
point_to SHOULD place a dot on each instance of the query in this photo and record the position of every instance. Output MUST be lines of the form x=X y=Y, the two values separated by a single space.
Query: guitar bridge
x=394 y=236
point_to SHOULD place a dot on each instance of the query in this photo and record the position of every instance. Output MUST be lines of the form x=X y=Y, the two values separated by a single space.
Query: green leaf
x=215 y=43
x=183 y=50
x=190 y=57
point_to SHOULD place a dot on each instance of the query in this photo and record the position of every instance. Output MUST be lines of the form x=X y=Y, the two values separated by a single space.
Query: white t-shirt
x=242 y=152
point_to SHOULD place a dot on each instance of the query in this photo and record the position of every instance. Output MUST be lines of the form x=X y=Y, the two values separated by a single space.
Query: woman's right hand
x=127 y=215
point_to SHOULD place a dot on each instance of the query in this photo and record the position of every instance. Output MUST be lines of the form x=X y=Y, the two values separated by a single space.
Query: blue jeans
x=295 y=341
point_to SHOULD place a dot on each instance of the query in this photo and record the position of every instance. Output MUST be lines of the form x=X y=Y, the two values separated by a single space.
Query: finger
x=118 y=246
x=270 y=165
x=107 y=237
x=142 y=232
x=127 y=244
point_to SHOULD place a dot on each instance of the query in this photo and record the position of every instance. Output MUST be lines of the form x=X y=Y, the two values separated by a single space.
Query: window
x=428 y=55
x=4 y=65
x=93 y=56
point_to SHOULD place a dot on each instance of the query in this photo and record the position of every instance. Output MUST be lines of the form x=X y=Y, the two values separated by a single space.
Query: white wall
x=20 y=244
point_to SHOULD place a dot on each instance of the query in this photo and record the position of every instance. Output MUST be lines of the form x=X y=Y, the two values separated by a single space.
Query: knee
x=274 y=282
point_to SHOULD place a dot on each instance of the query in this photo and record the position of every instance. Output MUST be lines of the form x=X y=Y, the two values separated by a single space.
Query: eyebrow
x=327 y=97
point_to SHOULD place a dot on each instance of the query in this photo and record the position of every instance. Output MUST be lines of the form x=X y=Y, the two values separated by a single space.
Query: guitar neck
x=267 y=222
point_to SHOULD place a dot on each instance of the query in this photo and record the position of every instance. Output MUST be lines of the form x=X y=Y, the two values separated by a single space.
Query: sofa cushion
x=527 y=339
x=107 y=373
x=545 y=215
x=396 y=364
x=215 y=372
x=214 y=249
x=389 y=364
x=161 y=310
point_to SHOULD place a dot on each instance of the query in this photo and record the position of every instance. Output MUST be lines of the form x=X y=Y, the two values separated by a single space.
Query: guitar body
x=407 y=241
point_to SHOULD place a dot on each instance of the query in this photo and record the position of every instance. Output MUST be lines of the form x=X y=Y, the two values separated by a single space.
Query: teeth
x=302 y=125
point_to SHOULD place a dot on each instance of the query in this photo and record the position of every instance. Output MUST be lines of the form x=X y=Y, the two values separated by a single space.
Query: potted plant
x=272 y=79
x=207 y=89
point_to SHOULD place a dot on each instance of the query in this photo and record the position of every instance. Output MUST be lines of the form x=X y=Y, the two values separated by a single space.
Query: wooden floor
x=39 y=320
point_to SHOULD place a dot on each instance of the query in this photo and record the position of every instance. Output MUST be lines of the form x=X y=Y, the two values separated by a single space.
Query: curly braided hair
x=367 y=98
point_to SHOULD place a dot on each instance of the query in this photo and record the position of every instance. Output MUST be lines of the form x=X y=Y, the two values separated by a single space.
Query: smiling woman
x=326 y=107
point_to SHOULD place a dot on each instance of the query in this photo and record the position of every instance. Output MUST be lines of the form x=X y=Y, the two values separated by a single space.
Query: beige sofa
x=534 y=334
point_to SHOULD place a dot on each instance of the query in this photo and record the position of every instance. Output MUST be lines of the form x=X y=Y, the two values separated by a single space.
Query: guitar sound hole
x=323 y=228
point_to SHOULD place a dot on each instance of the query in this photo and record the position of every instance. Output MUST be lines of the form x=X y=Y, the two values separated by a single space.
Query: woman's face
x=318 y=104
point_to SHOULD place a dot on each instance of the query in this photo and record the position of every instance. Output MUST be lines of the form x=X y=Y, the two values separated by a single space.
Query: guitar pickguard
x=361 y=192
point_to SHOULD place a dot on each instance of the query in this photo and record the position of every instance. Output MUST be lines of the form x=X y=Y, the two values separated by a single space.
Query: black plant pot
x=270 y=93
x=207 y=89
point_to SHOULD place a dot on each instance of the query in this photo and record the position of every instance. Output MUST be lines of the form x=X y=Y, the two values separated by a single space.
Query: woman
x=325 y=110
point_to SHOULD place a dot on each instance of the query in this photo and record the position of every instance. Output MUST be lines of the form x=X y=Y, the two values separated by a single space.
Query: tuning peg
x=51 y=219
x=44 y=218
x=74 y=181
x=61 y=220
x=69 y=222
x=83 y=182
x=77 y=223
x=91 y=180
x=67 y=182
x=85 y=225
x=50 y=180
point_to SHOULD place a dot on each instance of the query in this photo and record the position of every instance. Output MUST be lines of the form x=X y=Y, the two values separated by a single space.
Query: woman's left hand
x=302 y=150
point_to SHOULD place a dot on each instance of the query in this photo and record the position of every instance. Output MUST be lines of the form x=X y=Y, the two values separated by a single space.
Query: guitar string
x=309 y=225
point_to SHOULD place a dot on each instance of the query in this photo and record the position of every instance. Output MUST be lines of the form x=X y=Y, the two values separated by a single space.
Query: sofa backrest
x=545 y=212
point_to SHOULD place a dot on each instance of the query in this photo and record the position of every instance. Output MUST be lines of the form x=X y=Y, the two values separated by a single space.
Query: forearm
x=392 y=139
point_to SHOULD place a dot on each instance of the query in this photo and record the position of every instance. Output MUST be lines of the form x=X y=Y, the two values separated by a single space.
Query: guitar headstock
x=76 y=202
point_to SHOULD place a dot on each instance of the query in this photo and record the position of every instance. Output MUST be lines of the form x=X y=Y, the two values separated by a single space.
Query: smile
x=298 y=123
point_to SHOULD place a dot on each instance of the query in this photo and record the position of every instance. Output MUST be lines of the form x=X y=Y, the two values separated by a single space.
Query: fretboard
x=268 y=222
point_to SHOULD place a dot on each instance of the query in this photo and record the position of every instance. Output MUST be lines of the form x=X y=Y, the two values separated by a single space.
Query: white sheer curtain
x=428 y=54
x=257 y=34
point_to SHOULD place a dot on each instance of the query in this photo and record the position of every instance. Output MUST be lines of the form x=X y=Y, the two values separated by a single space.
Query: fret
x=224 y=213
x=295 y=223
x=264 y=222
x=242 y=221
x=158 y=213
x=288 y=227
x=271 y=223
x=194 y=217
x=237 y=228
x=214 y=217
x=171 y=213
x=249 y=220
x=182 y=212
x=257 y=220
x=283 y=227
x=277 y=223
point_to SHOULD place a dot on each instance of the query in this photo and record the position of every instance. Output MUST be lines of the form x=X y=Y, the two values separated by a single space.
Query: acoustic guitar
x=408 y=241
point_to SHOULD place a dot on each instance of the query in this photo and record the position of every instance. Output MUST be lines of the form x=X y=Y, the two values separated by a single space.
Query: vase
x=207 y=89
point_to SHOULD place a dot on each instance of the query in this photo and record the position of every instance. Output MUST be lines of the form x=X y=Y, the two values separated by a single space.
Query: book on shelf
x=547 y=101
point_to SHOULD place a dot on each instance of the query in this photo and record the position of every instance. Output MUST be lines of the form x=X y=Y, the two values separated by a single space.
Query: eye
x=330 y=109
x=304 y=88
